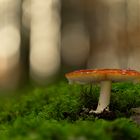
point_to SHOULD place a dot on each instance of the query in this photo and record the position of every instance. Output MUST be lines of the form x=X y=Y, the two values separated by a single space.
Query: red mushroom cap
x=97 y=75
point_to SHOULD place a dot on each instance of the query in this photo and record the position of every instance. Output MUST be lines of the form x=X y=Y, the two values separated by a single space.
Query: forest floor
x=56 y=112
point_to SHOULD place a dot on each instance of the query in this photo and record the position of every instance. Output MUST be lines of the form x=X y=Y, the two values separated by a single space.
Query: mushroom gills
x=77 y=82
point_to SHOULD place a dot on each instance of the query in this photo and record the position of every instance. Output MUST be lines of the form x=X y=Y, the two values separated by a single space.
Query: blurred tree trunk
x=133 y=25
x=75 y=36
x=45 y=39
x=25 y=39
x=115 y=33
x=10 y=42
x=107 y=21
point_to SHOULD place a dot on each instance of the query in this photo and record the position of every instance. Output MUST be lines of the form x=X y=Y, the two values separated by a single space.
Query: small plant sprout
x=105 y=77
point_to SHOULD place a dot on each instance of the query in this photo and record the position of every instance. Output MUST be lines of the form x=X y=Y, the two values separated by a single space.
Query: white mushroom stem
x=104 y=98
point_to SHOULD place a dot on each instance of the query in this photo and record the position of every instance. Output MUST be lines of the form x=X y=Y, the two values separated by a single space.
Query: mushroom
x=105 y=77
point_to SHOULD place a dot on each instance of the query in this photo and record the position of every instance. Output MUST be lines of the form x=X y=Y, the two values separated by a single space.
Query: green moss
x=53 y=113
x=32 y=127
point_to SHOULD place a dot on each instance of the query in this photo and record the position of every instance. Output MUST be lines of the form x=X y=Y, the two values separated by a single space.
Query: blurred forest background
x=40 y=38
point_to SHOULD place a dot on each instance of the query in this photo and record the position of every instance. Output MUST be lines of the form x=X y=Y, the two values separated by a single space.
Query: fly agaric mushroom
x=105 y=77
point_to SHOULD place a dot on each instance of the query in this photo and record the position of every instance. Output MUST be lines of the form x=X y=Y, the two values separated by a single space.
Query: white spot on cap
x=124 y=72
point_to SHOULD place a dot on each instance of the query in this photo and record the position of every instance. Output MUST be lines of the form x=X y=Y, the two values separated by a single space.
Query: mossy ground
x=54 y=113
